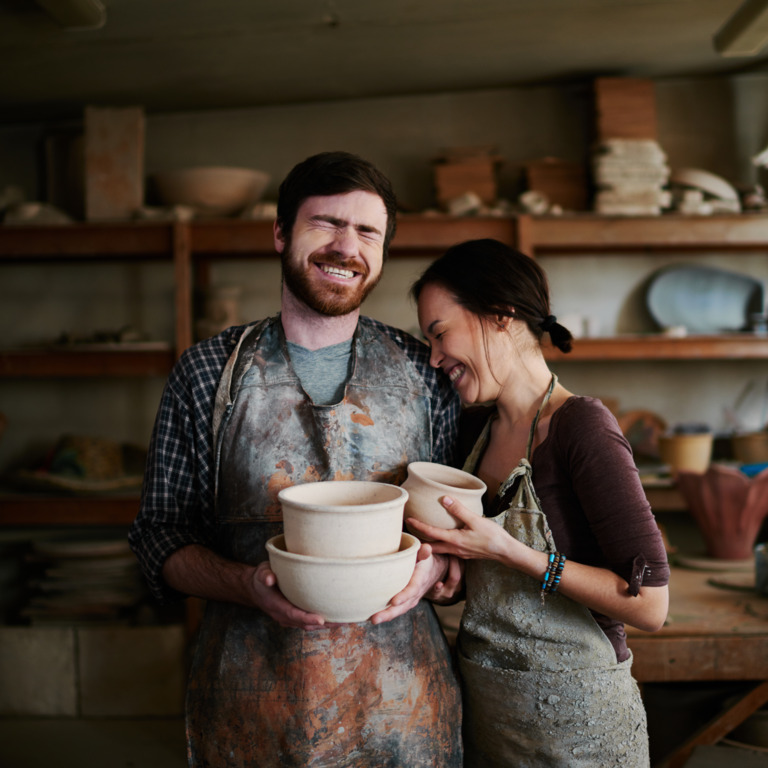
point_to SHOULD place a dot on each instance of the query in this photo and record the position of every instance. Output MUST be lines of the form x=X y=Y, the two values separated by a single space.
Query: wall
x=716 y=124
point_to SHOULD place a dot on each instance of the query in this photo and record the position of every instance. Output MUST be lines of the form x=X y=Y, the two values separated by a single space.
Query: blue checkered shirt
x=177 y=499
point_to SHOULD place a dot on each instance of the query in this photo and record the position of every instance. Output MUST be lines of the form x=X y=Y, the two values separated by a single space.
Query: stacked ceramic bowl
x=343 y=553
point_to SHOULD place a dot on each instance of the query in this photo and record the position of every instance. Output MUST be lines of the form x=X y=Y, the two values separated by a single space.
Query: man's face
x=334 y=256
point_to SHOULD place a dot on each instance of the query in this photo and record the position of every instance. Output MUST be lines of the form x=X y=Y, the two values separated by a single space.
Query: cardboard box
x=463 y=170
x=625 y=108
x=565 y=184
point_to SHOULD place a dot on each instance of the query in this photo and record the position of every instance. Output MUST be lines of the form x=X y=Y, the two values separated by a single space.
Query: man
x=316 y=393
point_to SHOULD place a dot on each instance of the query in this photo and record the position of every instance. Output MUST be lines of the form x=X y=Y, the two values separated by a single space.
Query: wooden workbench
x=713 y=633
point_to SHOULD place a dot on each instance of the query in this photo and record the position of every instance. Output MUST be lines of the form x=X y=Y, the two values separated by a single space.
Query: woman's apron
x=540 y=679
x=346 y=695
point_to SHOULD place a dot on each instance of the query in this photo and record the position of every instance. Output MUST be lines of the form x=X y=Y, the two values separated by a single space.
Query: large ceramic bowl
x=427 y=483
x=211 y=190
x=342 y=589
x=342 y=518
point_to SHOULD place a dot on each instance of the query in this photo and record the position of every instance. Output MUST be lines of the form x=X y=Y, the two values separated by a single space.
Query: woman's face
x=460 y=344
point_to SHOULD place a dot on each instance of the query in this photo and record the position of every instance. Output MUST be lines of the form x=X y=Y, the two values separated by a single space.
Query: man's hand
x=274 y=604
x=429 y=571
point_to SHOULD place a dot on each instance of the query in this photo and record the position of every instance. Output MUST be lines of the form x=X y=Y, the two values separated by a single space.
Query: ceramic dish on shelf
x=713 y=185
x=703 y=299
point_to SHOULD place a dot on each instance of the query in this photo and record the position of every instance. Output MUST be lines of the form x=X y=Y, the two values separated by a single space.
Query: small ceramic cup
x=427 y=483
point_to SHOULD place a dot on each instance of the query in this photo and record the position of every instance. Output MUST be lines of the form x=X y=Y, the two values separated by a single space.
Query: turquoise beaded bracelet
x=553 y=573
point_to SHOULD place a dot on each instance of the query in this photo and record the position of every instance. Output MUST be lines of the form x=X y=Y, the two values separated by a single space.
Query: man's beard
x=334 y=299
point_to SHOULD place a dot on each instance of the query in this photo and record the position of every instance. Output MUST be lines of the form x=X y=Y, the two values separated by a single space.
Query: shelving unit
x=193 y=247
x=131 y=242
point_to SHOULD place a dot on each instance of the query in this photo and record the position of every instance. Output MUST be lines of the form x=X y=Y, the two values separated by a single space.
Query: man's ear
x=278 y=237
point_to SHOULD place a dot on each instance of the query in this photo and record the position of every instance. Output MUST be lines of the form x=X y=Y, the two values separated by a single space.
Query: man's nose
x=345 y=241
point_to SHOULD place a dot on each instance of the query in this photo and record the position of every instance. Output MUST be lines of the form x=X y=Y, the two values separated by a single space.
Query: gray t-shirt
x=323 y=372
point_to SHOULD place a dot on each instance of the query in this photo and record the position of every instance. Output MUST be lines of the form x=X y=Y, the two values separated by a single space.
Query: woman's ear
x=502 y=322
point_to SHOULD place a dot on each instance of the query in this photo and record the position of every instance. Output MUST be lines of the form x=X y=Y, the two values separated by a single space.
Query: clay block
x=114 y=163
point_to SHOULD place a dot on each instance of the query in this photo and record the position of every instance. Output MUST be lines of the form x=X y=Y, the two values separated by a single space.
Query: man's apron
x=346 y=695
x=541 y=683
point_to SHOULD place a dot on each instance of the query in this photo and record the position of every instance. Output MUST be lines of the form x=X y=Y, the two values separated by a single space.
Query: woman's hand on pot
x=476 y=537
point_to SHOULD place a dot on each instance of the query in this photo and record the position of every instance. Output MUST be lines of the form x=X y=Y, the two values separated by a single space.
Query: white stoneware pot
x=427 y=483
x=341 y=589
x=342 y=518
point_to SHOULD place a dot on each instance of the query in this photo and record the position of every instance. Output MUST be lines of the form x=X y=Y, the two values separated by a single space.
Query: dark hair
x=333 y=173
x=491 y=280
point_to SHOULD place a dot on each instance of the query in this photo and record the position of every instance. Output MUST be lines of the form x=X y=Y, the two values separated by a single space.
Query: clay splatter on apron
x=348 y=695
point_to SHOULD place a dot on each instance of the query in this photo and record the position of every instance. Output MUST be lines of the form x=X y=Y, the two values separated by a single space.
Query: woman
x=552 y=574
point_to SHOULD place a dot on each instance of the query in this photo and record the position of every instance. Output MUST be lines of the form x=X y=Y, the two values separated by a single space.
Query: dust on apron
x=540 y=679
x=347 y=695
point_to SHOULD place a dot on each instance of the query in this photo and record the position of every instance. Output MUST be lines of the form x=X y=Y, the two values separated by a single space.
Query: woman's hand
x=476 y=537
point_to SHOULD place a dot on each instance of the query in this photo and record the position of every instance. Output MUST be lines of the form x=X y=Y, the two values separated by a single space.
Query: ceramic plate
x=703 y=299
x=704 y=563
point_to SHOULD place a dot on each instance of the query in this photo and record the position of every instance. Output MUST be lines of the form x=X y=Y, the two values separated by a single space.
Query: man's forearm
x=196 y=570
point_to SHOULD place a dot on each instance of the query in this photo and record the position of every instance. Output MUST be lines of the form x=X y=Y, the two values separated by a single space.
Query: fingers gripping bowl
x=342 y=589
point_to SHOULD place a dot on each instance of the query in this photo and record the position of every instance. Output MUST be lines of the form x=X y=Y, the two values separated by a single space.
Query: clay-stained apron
x=346 y=695
x=542 y=687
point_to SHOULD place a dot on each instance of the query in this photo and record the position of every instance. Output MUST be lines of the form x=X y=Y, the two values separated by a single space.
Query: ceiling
x=171 y=55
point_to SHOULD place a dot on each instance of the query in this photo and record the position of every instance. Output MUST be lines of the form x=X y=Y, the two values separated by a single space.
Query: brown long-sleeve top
x=590 y=491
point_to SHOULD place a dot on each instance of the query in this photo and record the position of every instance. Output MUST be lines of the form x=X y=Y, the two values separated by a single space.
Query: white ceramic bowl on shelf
x=211 y=190
x=427 y=483
x=342 y=589
x=342 y=518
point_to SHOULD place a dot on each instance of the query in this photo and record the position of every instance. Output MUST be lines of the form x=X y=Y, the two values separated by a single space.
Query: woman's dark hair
x=333 y=173
x=491 y=280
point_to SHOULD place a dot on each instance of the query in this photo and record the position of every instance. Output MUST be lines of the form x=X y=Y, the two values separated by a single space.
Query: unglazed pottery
x=427 y=483
x=342 y=589
x=212 y=190
x=343 y=518
x=728 y=507
x=686 y=452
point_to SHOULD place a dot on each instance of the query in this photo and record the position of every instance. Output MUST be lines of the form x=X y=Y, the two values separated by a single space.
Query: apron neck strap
x=535 y=423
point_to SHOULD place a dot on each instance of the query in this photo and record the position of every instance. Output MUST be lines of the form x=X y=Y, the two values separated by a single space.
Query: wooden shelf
x=590 y=233
x=657 y=347
x=415 y=235
x=87 y=241
x=44 y=510
x=66 y=363
x=430 y=234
